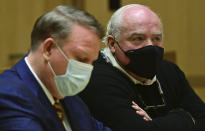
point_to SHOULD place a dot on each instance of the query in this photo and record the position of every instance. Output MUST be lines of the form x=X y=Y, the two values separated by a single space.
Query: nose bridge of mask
x=139 y=50
x=144 y=50
x=79 y=67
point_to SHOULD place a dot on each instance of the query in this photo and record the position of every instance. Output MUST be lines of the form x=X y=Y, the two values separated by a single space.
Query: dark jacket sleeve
x=190 y=101
x=13 y=116
x=111 y=104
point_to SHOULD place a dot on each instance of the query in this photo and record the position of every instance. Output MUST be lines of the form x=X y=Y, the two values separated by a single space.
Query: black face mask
x=144 y=62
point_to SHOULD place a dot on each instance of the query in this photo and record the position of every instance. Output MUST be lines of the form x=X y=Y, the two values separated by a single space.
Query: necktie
x=59 y=110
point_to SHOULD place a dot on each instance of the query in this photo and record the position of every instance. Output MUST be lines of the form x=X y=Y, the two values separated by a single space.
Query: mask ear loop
x=51 y=69
x=119 y=46
x=53 y=72
x=61 y=51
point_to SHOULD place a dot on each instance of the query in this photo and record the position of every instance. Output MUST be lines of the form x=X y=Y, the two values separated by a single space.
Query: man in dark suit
x=130 y=73
x=64 y=44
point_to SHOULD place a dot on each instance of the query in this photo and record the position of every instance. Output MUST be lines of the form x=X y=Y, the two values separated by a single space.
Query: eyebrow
x=135 y=33
x=140 y=33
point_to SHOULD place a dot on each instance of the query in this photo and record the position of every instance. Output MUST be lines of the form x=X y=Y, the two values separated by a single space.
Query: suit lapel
x=26 y=75
x=32 y=83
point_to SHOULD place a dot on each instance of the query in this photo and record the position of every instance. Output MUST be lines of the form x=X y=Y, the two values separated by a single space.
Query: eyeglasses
x=148 y=107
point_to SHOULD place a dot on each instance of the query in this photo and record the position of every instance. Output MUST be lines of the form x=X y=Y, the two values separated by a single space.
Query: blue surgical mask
x=76 y=77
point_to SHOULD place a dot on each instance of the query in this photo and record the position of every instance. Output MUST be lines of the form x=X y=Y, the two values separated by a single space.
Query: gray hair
x=58 y=24
x=114 y=25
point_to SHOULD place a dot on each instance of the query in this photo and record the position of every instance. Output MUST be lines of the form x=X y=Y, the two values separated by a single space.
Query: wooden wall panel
x=183 y=26
x=17 y=20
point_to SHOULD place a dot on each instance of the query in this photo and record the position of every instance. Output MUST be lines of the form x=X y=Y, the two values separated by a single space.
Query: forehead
x=141 y=19
x=82 y=43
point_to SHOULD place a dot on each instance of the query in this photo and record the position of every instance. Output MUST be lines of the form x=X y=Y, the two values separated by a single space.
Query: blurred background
x=183 y=20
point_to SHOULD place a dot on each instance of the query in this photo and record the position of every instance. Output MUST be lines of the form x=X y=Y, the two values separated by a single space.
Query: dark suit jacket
x=25 y=107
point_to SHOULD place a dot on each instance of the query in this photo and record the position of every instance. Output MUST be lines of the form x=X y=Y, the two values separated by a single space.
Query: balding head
x=130 y=15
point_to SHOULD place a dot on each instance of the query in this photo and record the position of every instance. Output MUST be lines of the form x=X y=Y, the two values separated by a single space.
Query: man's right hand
x=141 y=112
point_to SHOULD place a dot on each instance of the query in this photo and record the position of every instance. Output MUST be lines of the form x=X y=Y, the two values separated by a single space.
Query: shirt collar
x=110 y=58
x=46 y=91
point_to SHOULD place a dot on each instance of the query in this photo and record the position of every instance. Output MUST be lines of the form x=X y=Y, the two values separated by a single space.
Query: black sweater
x=110 y=92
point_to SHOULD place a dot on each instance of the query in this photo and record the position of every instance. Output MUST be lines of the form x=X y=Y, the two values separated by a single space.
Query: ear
x=111 y=43
x=48 y=46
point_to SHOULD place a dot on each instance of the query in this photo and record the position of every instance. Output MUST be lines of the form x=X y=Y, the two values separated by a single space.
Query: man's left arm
x=191 y=102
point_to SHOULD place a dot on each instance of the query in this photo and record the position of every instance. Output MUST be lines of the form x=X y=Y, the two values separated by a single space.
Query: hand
x=141 y=112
